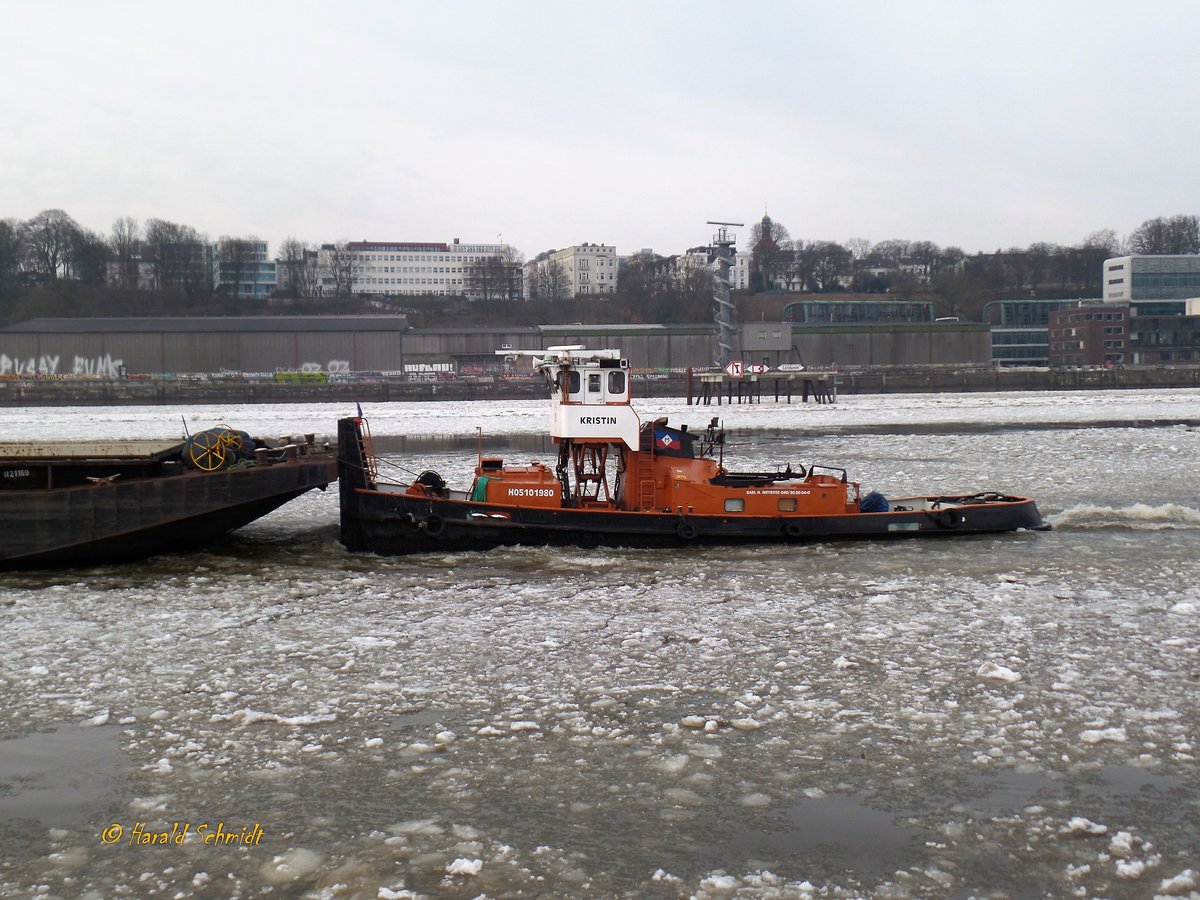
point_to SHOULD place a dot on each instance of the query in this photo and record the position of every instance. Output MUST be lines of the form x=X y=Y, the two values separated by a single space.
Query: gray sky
x=985 y=125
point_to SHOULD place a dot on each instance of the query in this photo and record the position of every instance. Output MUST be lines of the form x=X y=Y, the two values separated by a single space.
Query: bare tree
x=513 y=261
x=1038 y=260
x=126 y=245
x=798 y=264
x=1166 y=236
x=339 y=268
x=643 y=279
x=552 y=281
x=88 y=258
x=297 y=268
x=889 y=253
x=829 y=262
x=492 y=277
x=859 y=248
x=951 y=258
x=178 y=256
x=486 y=281
x=12 y=253
x=770 y=252
x=237 y=265
x=49 y=239
x=1105 y=239
x=695 y=287
x=925 y=252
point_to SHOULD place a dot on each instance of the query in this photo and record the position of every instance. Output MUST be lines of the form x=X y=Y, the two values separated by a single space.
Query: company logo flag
x=664 y=441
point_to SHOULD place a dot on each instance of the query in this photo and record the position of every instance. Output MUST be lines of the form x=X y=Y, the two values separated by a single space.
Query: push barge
x=78 y=504
x=619 y=481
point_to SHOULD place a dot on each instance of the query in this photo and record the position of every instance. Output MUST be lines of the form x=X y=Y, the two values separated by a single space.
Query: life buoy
x=949 y=518
x=434 y=526
x=793 y=529
x=686 y=530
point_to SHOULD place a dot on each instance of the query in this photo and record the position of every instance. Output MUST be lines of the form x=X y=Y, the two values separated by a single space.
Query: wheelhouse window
x=616 y=382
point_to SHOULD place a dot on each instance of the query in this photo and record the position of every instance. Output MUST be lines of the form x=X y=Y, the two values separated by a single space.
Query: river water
x=987 y=716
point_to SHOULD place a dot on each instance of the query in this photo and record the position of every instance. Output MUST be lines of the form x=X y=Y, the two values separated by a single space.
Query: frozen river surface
x=996 y=716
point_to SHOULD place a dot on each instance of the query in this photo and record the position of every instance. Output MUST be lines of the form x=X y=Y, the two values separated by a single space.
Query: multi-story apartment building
x=474 y=271
x=739 y=273
x=588 y=268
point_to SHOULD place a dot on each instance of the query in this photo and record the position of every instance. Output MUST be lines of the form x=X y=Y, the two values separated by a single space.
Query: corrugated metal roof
x=208 y=324
x=490 y=329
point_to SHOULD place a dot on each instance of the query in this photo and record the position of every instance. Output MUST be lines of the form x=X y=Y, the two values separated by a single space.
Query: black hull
x=391 y=524
x=129 y=520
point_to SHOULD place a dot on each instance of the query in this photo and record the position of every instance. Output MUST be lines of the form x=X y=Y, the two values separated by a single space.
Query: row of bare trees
x=47 y=247
x=52 y=246
x=158 y=253
x=549 y=280
x=653 y=288
x=906 y=266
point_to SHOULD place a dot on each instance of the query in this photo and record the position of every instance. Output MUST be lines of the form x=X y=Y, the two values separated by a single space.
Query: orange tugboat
x=619 y=481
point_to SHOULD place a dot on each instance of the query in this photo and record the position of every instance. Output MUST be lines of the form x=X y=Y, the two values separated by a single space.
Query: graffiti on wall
x=98 y=367
x=334 y=365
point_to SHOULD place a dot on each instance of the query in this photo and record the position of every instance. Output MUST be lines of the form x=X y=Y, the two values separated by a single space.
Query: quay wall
x=16 y=392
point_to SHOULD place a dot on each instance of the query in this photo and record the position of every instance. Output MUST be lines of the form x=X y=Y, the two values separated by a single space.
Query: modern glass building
x=1021 y=336
x=243 y=268
x=1152 y=285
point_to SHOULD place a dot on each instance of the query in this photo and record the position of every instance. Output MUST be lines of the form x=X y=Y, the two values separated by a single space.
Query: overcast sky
x=984 y=125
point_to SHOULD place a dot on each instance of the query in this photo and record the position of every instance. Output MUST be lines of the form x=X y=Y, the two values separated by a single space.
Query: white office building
x=474 y=271
x=1153 y=285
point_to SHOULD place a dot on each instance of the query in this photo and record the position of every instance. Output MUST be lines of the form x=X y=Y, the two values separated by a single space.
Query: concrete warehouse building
x=109 y=347
x=102 y=346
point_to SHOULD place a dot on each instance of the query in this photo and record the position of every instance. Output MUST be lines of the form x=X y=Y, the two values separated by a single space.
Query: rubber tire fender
x=949 y=519
x=793 y=529
x=434 y=526
x=686 y=530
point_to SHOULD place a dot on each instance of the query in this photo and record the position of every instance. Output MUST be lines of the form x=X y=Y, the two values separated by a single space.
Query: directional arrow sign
x=758 y=369
x=735 y=369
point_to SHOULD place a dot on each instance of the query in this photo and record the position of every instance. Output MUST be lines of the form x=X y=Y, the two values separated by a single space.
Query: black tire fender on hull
x=949 y=519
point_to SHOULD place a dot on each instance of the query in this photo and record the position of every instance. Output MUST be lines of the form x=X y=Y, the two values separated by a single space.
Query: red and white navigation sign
x=735 y=369
x=758 y=369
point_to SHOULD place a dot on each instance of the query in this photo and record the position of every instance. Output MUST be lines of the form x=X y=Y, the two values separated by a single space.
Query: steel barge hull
x=68 y=506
